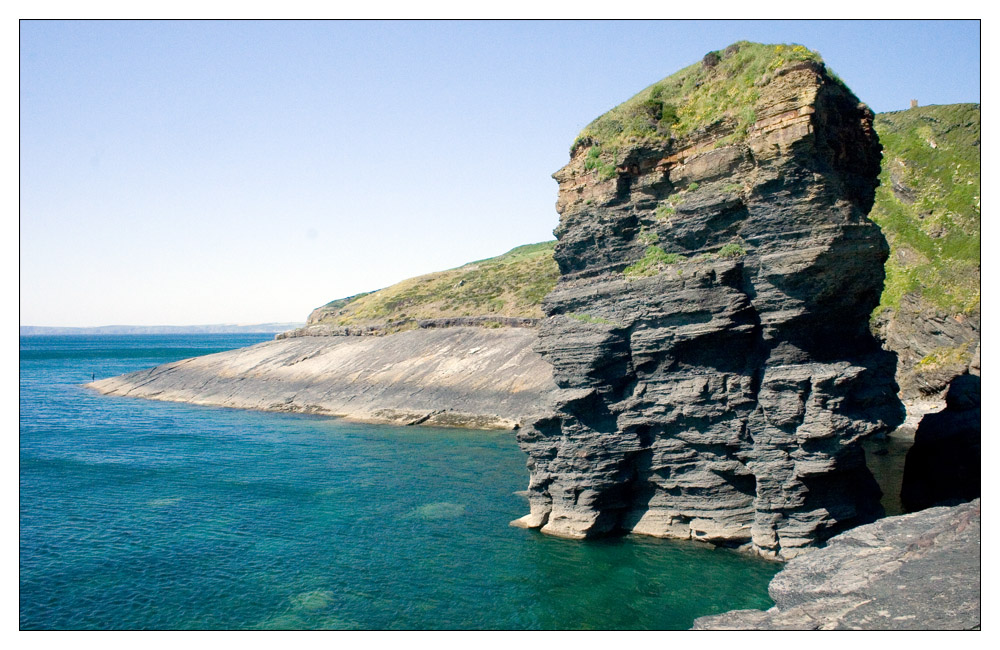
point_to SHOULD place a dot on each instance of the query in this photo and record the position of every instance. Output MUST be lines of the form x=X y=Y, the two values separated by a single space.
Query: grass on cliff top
x=510 y=285
x=928 y=205
x=724 y=85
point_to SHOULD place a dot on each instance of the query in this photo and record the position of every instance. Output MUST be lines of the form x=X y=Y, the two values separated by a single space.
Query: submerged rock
x=912 y=572
x=709 y=329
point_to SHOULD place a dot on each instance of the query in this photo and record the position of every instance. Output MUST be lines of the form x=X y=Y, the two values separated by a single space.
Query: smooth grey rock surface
x=920 y=571
x=462 y=376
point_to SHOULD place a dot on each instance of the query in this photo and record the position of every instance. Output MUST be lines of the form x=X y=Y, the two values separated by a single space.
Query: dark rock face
x=913 y=572
x=723 y=396
x=943 y=466
x=918 y=331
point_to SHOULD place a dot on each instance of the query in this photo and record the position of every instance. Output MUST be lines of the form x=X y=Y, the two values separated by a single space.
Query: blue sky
x=219 y=172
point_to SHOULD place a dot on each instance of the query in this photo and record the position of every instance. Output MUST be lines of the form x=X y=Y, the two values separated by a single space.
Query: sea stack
x=709 y=329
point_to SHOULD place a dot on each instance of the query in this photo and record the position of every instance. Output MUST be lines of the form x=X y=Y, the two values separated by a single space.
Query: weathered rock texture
x=724 y=397
x=933 y=346
x=912 y=572
x=462 y=376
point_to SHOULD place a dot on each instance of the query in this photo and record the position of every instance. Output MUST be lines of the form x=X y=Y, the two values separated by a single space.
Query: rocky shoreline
x=471 y=377
x=920 y=571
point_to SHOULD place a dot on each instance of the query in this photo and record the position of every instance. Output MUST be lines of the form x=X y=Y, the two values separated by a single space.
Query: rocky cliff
x=709 y=329
x=913 y=572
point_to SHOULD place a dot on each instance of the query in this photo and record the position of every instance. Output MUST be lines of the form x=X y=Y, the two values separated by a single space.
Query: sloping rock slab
x=913 y=572
x=467 y=377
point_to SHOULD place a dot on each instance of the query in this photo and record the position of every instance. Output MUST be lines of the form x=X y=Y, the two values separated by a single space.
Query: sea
x=139 y=514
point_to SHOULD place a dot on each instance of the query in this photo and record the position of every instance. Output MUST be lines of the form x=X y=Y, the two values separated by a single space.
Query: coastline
x=469 y=377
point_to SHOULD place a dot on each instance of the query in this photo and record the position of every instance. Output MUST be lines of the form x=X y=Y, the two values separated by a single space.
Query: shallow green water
x=149 y=515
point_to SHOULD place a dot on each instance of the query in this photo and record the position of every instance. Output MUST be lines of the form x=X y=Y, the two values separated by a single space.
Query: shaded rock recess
x=912 y=572
x=944 y=465
x=709 y=328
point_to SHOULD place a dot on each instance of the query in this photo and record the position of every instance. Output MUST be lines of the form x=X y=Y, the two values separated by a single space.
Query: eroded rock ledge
x=461 y=376
x=392 y=327
x=709 y=331
x=913 y=572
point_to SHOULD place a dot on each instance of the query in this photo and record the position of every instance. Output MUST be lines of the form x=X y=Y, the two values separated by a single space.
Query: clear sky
x=176 y=173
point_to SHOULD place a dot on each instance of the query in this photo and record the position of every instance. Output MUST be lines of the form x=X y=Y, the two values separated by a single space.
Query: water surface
x=152 y=515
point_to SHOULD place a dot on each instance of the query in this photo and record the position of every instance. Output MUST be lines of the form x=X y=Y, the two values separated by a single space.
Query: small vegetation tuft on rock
x=653 y=262
x=732 y=250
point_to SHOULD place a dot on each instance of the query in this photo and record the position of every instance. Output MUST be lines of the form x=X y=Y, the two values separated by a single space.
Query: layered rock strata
x=709 y=330
x=933 y=347
x=463 y=376
x=913 y=572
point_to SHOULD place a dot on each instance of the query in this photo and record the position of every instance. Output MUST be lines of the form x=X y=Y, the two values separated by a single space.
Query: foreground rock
x=462 y=376
x=709 y=330
x=913 y=572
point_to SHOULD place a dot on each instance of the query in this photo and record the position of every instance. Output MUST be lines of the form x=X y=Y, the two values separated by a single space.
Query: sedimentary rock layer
x=462 y=376
x=912 y=572
x=709 y=330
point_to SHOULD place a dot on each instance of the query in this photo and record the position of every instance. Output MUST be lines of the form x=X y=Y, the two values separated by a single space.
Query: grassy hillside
x=511 y=285
x=928 y=205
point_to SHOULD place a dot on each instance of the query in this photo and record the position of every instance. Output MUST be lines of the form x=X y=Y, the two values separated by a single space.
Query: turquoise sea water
x=152 y=515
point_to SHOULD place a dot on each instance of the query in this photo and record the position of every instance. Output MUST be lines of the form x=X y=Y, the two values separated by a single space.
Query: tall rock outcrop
x=709 y=329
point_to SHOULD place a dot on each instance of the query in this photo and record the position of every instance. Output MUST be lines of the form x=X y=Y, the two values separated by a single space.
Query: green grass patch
x=648 y=237
x=664 y=211
x=960 y=355
x=732 y=250
x=654 y=261
x=587 y=318
x=603 y=163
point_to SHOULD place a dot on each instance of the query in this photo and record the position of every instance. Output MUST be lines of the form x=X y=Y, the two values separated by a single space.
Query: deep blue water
x=152 y=515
